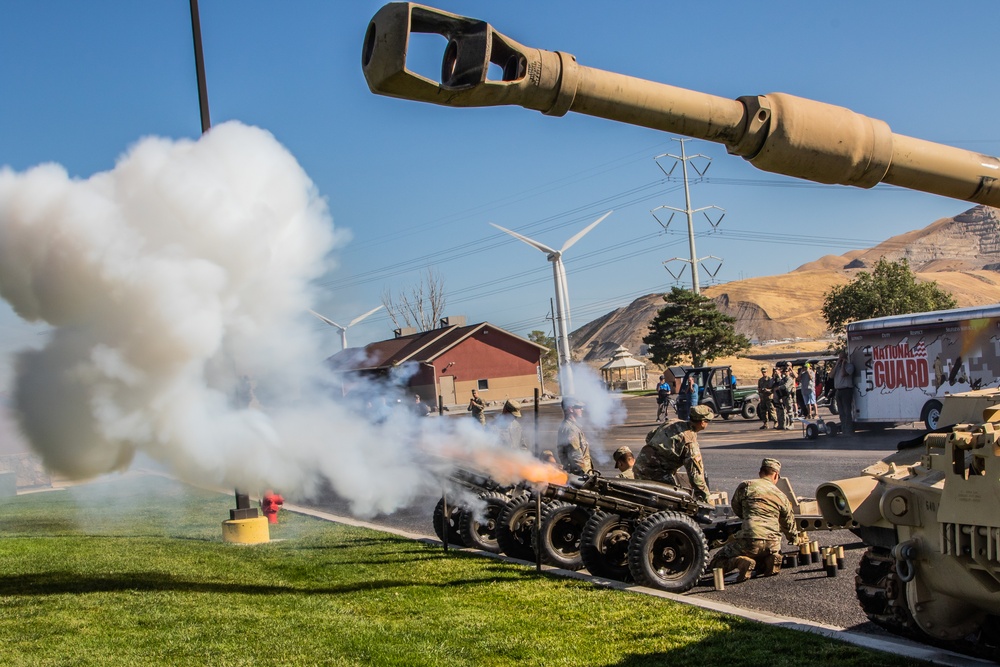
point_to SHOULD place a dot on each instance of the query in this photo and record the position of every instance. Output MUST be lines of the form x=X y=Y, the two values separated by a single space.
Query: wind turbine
x=562 y=292
x=343 y=329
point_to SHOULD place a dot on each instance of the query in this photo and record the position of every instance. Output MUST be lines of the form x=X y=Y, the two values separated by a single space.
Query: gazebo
x=624 y=371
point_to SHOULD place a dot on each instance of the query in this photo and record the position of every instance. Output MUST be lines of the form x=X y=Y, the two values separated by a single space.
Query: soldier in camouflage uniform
x=765 y=409
x=624 y=461
x=766 y=514
x=477 y=406
x=670 y=446
x=784 y=397
x=508 y=428
x=571 y=443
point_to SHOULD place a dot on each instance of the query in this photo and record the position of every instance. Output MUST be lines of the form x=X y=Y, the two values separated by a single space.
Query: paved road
x=732 y=450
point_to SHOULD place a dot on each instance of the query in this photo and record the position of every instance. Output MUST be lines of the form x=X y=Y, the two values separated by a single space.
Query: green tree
x=691 y=326
x=890 y=289
x=550 y=368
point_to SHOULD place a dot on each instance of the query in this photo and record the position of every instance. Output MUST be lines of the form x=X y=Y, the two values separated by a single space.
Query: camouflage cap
x=763 y=369
x=701 y=413
x=510 y=408
x=771 y=464
x=621 y=453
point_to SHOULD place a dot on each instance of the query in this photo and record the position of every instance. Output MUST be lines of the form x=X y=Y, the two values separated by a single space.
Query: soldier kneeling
x=766 y=514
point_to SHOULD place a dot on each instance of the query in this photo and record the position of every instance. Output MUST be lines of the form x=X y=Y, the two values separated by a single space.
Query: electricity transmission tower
x=694 y=260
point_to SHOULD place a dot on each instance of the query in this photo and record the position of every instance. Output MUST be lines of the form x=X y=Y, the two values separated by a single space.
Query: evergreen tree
x=890 y=289
x=691 y=326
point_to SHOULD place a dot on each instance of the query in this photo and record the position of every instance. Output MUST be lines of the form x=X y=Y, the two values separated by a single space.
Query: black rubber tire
x=812 y=431
x=604 y=546
x=726 y=415
x=454 y=518
x=515 y=528
x=833 y=429
x=834 y=408
x=479 y=529
x=561 y=528
x=931 y=414
x=749 y=410
x=668 y=551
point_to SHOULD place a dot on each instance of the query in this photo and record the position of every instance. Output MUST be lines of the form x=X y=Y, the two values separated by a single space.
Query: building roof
x=422 y=347
x=622 y=359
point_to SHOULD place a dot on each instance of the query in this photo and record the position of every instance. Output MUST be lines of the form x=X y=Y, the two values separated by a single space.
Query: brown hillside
x=962 y=254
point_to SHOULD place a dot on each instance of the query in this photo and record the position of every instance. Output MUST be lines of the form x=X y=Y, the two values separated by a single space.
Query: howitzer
x=654 y=533
x=636 y=499
x=477 y=482
x=776 y=132
x=457 y=521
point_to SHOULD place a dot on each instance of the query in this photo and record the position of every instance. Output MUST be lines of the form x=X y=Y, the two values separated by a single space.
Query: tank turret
x=775 y=132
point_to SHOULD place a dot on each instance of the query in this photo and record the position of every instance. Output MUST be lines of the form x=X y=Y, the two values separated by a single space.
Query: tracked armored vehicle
x=933 y=521
x=930 y=515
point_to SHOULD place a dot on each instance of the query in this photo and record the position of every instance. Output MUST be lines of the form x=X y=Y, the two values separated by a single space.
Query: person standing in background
x=843 y=383
x=477 y=407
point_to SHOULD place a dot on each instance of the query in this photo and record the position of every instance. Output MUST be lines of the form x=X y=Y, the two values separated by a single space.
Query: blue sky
x=416 y=185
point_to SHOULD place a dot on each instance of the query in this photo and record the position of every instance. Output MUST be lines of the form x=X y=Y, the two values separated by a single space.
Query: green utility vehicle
x=716 y=388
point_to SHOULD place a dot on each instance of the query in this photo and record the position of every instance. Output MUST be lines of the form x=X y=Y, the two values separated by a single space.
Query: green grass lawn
x=134 y=572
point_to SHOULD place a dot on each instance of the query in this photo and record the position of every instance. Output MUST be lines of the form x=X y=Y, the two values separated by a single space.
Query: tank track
x=883 y=596
x=883 y=599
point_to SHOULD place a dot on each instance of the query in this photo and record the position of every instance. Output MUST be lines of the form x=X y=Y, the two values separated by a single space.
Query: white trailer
x=905 y=364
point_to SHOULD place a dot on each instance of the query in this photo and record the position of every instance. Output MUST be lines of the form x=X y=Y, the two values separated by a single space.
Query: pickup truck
x=716 y=390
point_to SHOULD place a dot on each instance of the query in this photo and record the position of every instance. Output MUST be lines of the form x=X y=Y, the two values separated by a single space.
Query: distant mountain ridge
x=962 y=254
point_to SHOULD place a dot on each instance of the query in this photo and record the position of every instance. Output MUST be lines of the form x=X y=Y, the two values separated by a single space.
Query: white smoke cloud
x=165 y=281
x=169 y=284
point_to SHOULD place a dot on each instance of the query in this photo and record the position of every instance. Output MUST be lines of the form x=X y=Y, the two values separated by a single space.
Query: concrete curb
x=895 y=645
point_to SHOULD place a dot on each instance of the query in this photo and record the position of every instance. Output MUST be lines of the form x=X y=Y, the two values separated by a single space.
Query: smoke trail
x=604 y=408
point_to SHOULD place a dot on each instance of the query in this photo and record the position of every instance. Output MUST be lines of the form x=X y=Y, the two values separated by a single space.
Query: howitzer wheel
x=516 y=525
x=454 y=517
x=561 y=528
x=667 y=551
x=479 y=529
x=604 y=546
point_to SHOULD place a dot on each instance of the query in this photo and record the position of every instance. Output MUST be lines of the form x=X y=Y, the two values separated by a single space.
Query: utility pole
x=199 y=65
x=243 y=509
x=694 y=260
x=555 y=336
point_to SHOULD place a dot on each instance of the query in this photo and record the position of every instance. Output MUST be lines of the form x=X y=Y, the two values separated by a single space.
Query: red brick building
x=451 y=361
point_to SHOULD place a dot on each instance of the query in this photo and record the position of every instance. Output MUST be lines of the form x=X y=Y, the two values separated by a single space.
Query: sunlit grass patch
x=126 y=574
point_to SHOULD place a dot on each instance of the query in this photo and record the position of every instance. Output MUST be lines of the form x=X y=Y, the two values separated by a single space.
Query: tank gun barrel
x=776 y=132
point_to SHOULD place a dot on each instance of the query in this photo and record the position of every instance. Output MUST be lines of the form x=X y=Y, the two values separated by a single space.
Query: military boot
x=745 y=566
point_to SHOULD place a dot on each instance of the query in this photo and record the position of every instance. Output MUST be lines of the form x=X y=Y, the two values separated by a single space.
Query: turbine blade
x=534 y=244
x=586 y=229
x=328 y=321
x=361 y=317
